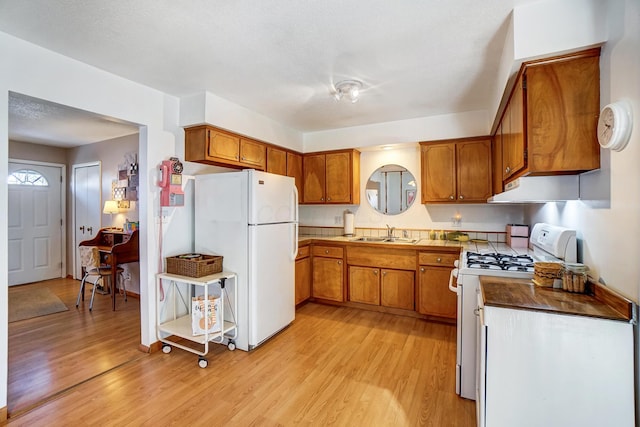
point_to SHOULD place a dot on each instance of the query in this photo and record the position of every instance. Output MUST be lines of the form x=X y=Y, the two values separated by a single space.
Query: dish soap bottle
x=432 y=235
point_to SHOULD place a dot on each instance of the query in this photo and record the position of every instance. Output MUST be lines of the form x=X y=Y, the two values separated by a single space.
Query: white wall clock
x=614 y=125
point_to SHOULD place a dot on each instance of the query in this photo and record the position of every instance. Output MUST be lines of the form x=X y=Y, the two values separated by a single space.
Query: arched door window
x=27 y=177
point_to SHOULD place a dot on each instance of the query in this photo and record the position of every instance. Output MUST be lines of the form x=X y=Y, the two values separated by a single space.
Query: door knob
x=82 y=229
x=90 y=230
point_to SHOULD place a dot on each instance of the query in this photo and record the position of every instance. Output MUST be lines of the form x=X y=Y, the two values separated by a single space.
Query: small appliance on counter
x=518 y=235
x=349 y=220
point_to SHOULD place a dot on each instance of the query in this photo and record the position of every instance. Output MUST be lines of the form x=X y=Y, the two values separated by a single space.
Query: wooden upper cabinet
x=222 y=145
x=473 y=168
x=253 y=153
x=496 y=164
x=276 y=161
x=332 y=177
x=549 y=124
x=456 y=171
x=209 y=145
x=294 y=170
x=514 y=155
x=313 y=168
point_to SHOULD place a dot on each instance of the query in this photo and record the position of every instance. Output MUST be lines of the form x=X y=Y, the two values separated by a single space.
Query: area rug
x=34 y=302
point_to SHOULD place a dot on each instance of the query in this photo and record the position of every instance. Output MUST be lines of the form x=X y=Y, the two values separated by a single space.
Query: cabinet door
x=276 y=161
x=294 y=169
x=514 y=140
x=563 y=101
x=253 y=153
x=303 y=279
x=496 y=164
x=223 y=146
x=338 y=177
x=314 y=178
x=438 y=173
x=474 y=171
x=364 y=285
x=327 y=279
x=434 y=296
x=398 y=289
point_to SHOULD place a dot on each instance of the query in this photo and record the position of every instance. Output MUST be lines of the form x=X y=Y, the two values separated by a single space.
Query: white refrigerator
x=251 y=219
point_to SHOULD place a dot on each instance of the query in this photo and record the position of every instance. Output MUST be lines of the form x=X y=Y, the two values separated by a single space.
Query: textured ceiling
x=280 y=58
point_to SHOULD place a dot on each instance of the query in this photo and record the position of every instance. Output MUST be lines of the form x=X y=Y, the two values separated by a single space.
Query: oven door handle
x=454 y=273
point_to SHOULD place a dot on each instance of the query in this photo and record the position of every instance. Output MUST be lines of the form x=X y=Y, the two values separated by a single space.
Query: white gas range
x=547 y=242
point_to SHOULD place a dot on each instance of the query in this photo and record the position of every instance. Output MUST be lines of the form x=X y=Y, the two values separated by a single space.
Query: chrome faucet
x=390 y=231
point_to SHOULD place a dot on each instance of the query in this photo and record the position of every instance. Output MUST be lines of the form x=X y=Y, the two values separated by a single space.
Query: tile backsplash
x=411 y=233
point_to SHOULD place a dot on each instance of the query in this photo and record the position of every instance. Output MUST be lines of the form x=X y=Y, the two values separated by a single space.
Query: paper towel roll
x=349 y=219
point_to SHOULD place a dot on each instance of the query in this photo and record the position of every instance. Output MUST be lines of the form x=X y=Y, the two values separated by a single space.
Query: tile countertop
x=420 y=244
x=521 y=294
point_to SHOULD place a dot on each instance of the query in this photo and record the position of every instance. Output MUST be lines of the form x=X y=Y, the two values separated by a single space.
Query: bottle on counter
x=432 y=235
x=442 y=235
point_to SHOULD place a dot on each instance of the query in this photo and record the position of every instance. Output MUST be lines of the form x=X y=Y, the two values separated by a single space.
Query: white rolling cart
x=174 y=314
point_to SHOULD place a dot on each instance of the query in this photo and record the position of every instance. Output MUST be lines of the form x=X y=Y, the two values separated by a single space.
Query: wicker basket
x=194 y=265
x=545 y=273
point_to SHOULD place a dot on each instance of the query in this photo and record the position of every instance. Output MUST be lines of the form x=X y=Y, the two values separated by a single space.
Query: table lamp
x=110 y=207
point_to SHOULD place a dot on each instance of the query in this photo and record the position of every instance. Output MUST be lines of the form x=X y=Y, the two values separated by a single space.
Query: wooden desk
x=118 y=248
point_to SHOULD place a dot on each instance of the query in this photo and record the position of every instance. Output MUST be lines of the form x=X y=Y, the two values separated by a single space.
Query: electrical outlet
x=337 y=220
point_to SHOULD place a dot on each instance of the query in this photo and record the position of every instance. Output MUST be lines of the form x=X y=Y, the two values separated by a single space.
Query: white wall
x=418 y=216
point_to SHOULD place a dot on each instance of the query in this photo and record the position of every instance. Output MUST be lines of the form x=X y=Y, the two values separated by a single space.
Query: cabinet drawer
x=303 y=252
x=328 y=251
x=383 y=257
x=439 y=259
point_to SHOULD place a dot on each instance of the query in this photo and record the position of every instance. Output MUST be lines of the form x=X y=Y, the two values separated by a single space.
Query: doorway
x=35 y=222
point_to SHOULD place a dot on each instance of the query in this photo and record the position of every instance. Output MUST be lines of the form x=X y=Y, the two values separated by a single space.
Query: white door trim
x=63 y=204
x=73 y=202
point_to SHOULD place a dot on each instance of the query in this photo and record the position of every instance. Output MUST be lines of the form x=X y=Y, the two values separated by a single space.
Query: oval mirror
x=391 y=189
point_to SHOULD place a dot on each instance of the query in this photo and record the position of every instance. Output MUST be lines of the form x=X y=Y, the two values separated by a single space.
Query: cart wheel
x=231 y=346
x=203 y=363
x=166 y=349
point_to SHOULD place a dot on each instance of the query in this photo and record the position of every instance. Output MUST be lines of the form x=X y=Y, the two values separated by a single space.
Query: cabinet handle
x=322 y=199
x=384 y=273
x=339 y=262
x=328 y=199
x=461 y=197
x=326 y=251
x=439 y=259
x=421 y=269
x=450 y=197
x=507 y=169
x=244 y=158
x=375 y=272
x=90 y=230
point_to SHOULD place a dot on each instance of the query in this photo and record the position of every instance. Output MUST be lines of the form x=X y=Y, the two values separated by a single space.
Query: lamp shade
x=110 y=207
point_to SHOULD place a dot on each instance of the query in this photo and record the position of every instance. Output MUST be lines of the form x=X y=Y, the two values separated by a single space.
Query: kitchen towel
x=349 y=219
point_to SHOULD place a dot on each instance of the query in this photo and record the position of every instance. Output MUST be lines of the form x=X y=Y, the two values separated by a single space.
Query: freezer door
x=271 y=280
x=272 y=198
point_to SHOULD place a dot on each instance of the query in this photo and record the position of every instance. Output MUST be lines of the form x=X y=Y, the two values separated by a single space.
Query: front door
x=35 y=223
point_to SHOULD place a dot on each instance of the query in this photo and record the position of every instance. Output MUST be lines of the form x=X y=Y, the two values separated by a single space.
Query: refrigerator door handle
x=295 y=203
x=294 y=243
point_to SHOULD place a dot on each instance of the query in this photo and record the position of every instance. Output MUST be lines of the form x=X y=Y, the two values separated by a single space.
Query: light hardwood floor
x=332 y=366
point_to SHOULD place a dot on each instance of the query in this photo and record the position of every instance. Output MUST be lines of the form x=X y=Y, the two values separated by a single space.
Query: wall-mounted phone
x=171 y=193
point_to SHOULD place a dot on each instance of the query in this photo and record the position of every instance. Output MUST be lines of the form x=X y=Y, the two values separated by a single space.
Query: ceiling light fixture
x=348 y=88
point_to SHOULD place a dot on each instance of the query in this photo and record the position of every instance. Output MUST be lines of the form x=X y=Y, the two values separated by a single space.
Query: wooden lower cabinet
x=303 y=275
x=434 y=296
x=397 y=289
x=328 y=278
x=364 y=285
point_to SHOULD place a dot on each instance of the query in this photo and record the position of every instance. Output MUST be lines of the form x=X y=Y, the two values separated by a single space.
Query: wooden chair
x=90 y=261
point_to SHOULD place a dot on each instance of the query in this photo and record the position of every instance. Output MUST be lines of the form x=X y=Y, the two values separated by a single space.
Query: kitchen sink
x=370 y=239
x=385 y=239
